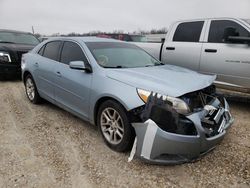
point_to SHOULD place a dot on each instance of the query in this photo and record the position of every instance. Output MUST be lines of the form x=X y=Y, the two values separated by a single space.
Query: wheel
x=114 y=126
x=31 y=90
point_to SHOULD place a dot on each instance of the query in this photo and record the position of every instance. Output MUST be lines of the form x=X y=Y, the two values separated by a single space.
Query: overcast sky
x=65 y=16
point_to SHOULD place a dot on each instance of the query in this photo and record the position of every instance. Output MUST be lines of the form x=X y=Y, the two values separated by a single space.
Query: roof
x=86 y=39
x=199 y=19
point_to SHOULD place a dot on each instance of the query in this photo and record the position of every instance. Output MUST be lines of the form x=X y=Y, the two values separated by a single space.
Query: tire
x=114 y=125
x=31 y=90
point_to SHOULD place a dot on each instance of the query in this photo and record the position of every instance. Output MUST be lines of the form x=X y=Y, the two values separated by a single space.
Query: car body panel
x=44 y=76
x=159 y=79
x=72 y=88
x=231 y=62
x=158 y=146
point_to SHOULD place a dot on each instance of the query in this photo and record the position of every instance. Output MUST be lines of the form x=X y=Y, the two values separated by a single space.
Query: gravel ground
x=44 y=146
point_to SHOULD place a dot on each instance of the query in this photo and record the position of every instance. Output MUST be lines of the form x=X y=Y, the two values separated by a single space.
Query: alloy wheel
x=112 y=125
x=30 y=89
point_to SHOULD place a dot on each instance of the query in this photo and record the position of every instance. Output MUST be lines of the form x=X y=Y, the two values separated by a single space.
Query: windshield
x=120 y=55
x=18 y=38
x=136 y=38
x=247 y=20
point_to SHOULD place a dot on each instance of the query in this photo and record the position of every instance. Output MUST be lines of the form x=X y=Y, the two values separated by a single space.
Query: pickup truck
x=219 y=46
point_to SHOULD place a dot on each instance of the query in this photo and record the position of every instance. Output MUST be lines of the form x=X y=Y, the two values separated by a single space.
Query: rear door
x=72 y=87
x=44 y=69
x=183 y=45
x=230 y=61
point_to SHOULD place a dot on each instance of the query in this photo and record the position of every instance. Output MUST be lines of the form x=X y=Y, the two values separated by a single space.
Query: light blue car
x=173 y=112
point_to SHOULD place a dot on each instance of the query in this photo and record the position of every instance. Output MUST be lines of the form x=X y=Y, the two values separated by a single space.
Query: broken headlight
x=5 y=57
x=179 y=105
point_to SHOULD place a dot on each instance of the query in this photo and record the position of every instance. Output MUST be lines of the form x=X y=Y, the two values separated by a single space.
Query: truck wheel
x=114 y=126
x=31 y=90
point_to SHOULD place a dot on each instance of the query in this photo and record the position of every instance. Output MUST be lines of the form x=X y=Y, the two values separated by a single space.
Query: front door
x=230 y=61
x=72 y=87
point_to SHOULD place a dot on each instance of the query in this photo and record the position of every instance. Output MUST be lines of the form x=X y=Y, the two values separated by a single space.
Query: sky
x=81 y=16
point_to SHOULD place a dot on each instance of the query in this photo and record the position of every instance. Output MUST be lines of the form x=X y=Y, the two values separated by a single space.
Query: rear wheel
x=114 y=126
x=31 y=90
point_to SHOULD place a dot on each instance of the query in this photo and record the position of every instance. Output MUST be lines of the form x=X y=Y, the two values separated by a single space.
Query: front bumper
x=156 y=145
x=10 y=69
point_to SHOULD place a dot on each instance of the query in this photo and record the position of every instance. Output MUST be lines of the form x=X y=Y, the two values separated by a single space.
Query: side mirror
x=229 y=32
x=232 y=36
x=80 y=65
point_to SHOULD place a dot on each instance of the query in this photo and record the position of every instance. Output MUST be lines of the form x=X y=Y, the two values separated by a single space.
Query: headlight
x=179 y=105
x=5 y=57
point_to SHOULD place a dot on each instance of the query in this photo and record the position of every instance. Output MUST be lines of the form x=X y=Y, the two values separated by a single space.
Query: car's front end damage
x=167 y=134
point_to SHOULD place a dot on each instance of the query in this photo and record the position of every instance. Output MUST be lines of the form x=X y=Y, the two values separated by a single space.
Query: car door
x=48 y=57
x=72 y=87
x=183 y=46
x=230 y=61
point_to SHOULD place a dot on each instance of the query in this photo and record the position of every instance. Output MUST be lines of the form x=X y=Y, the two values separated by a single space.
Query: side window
x=72 y=52
x=40 y=52
x=188 y=32
x=52 y=49
x=217 y=28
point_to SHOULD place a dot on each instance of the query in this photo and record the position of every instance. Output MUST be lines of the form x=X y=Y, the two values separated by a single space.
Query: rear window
x=188 y=32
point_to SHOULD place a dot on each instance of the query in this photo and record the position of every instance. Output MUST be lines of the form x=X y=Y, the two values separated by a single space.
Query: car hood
x=16 y=47
x=166 y=79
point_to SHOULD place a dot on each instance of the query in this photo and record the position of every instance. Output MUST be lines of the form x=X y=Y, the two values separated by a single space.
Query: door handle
x=170 y=48
x=58 y=74
x=36 y=64
x=211 y=50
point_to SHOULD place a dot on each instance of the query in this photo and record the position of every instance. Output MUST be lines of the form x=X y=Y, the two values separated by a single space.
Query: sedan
x=173 y=112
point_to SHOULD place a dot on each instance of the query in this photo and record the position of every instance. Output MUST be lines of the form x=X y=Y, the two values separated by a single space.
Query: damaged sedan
x=165 y=113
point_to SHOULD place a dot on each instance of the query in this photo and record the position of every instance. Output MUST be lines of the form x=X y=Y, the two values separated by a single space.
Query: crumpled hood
x=166 y=79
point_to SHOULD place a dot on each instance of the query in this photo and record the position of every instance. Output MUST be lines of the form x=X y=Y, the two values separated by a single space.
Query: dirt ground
x=44 y=146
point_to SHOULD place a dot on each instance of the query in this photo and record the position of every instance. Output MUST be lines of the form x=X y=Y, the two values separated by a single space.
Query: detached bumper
x=156 y=145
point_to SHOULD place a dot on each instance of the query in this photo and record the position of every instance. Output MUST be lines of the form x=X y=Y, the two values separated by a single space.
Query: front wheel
x=114 y=126
x=31 y=90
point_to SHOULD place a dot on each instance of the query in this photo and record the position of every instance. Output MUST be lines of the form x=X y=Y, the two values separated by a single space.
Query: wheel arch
x=25 y=74
x=102 y=100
